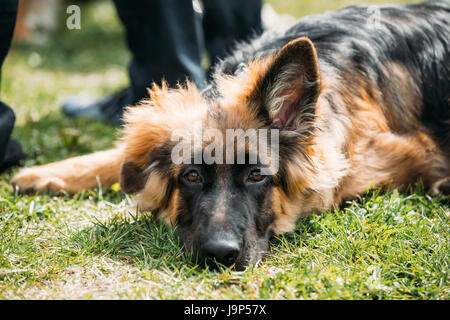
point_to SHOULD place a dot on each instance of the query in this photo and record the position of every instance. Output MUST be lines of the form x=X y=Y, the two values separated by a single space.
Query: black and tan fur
x=357 y=107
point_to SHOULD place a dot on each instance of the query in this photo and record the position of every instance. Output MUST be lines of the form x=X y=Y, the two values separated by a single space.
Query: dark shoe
x=13 y=156
x=109 y=109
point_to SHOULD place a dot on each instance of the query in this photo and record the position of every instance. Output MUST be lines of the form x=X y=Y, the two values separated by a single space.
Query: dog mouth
x=214 y=265
x=224 y=251
x=228 y=254
x=238 y=262
x=218 y=257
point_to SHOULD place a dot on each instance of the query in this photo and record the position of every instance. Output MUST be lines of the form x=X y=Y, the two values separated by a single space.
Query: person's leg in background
x=10 y=151
x=228 y=21
x=163 y=37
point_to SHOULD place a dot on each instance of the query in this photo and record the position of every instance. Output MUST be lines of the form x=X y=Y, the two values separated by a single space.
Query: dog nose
x=223 y=251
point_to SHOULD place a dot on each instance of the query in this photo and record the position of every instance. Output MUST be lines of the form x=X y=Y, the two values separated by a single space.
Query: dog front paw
x=35 y=180
x=442 y=186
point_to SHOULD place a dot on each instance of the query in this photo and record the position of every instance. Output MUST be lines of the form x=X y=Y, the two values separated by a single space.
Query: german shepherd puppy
x=360 y=98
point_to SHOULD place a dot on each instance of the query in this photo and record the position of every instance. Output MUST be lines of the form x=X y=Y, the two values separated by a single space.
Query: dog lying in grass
x=346 y=100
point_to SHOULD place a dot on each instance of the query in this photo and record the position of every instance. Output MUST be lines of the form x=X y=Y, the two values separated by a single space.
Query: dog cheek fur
x=160 y=196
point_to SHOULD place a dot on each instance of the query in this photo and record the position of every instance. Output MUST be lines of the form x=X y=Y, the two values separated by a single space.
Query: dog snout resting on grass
x=355 y=105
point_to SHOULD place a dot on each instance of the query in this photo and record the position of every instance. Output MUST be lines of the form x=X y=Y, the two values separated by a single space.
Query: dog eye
x=192 y=176
x=256 y=176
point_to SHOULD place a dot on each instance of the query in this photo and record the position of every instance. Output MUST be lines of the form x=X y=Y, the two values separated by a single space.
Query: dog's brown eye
x=192 y=176
x=256 y=176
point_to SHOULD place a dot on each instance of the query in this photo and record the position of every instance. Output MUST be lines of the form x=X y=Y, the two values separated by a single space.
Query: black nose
x=223 y=251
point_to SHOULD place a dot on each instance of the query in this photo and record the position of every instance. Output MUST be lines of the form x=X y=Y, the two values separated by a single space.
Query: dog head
x=226 y=198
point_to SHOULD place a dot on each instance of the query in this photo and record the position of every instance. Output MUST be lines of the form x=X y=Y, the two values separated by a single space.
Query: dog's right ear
x=291 y=86
x=132 y=178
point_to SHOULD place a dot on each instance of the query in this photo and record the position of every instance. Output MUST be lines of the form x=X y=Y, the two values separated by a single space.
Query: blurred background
x=48 y=62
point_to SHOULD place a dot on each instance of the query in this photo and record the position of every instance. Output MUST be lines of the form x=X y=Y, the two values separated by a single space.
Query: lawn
x=94 y=245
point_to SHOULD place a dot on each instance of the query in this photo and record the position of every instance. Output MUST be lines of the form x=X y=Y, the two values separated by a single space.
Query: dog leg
x=72 y=175
x=392 y=161
x=442 y=186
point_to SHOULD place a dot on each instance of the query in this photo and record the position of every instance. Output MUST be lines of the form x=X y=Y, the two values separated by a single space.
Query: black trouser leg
x=163 y=38
x=228 y=21
x=8 y=13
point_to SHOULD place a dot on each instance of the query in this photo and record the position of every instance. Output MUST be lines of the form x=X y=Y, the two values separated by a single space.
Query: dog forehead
x=223 y=175
x=233 y=107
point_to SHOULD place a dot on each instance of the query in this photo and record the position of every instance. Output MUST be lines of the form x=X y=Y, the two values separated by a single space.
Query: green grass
x=302 y=8
x=95 y=245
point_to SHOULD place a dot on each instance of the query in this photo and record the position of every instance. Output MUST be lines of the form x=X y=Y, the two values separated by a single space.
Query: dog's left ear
x=291 y=85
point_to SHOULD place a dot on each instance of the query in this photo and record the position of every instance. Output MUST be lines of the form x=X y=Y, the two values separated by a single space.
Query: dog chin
x=252 y=256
